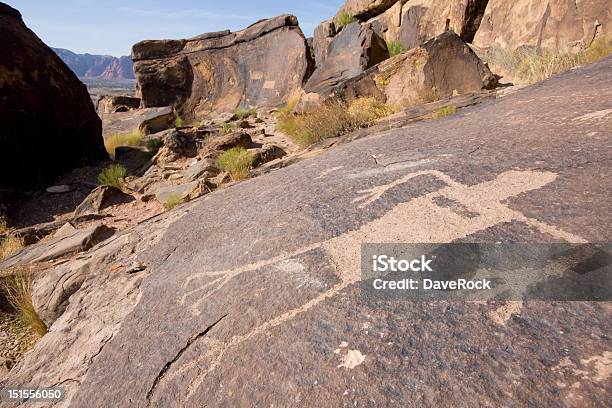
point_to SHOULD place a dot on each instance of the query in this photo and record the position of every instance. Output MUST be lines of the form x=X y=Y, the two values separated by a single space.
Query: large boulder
x=441 y=67
x=260 y=66
x=363 y=9
x=412 y=22
x=48 y=121
x=556 y=25
x=356 y=48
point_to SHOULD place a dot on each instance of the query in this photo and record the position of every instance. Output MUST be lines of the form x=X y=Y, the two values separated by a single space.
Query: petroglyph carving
x=429 y=223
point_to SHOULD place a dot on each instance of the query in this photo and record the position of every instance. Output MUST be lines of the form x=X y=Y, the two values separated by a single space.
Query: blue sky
x=113 y=26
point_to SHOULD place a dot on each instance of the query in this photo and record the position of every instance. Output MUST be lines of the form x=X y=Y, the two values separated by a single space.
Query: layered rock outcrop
x=559 y=25
x=260 y=66
x=439 y=68
x=49 y=123
x=356 y=48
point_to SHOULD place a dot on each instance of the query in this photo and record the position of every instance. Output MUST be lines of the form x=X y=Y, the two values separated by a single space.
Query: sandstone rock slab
x=356 y=48
x=556 y=25
x=441 y=67
x=217 y=72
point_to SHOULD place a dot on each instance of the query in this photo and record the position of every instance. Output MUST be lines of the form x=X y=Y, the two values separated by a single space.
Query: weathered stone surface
x=265 y=303
x=98 y=199
x=558 y=25
x=356 y=48
x=323 y=35
x=267 y=153
x=48 y=122
x=443 y=66
x=199 y=169
x=364 y=9
x=163 y=194
x=59 y=189
x=216 y=73
x=424 y=19
x=55 y=248
x=148 y=121
x=114 y=104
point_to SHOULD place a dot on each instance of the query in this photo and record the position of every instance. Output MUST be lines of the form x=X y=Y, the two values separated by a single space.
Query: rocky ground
x=205 y=304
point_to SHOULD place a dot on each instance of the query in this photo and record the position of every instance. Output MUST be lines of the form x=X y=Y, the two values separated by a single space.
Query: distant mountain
x=104 y=67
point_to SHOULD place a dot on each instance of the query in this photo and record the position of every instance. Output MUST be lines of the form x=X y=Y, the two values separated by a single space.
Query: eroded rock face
x=364 y=9
x=49 y=123
x=424 y=19
x=350 y=53
x=218 y=72
x=441 y=67
x=323 y=36
x=561 y=25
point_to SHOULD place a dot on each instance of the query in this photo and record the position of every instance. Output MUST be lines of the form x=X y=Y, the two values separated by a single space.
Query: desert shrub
x=530 y=65
x=112 y=176
x=122 y=139
x=178 y=122
x=445 y=111
x=237 y=162
x=229 y=127
x=331 y=119
x=9 y=245
x=173 y=200
x=344 y=19
x=18 y=291
x=599 y=48
x=395 y=48
x=366 y=110
x=241 y=113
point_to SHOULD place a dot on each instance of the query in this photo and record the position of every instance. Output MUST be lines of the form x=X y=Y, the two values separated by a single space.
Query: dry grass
x=237 y=162
x=241 y=113
x=9 y=245
x=290 y=106
x=18 y=291
x=173 y=201
x=112 y=142
x=178 y=122
x=331 y=119
x=529 y=66
x=445 y=111
x=112 y=176
x=229 y=127
x=395 y=48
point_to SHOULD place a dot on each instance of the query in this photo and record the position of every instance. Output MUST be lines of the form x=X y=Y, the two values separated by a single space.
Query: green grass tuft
x=395 y=48
x=445 y=111
x=229 y=127
x=174 y=200
x=237 y=162
x=241 y=113
x=344 y=19
x=112 y=176
x=178 y=122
